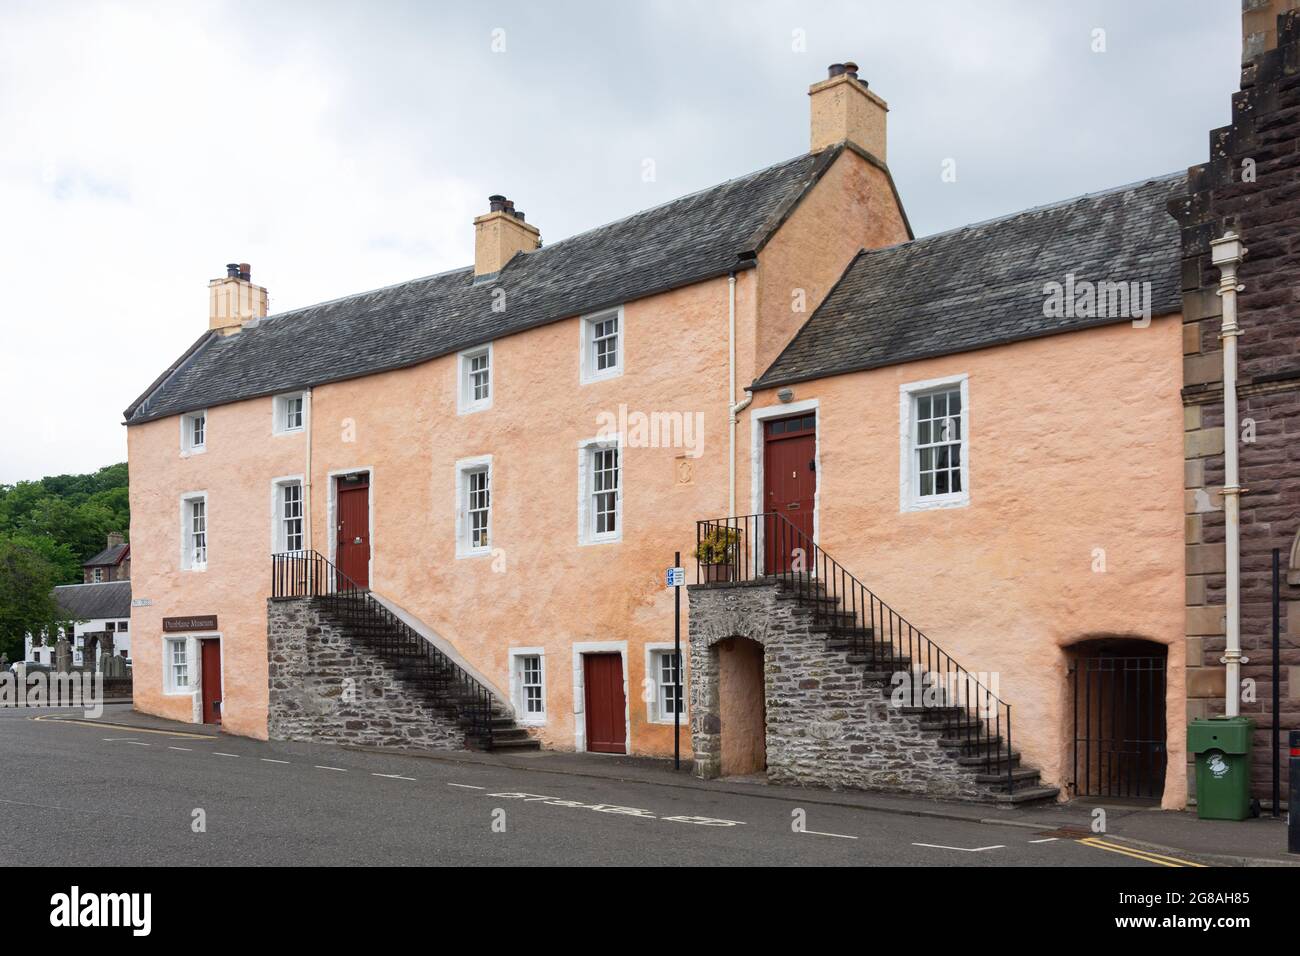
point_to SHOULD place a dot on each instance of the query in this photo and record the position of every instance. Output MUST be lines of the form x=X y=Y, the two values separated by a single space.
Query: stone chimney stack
x=115 y=538
x=234 y=300
x=499 y=234
x=844 y=109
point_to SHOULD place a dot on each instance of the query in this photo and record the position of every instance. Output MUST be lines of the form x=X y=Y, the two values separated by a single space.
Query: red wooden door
x=606 y=707
x=790 y=488
x=353 y=553
x=210 y=649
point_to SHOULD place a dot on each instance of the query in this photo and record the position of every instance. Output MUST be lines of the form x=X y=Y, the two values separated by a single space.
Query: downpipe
x=734 y=407
x=1226 y=253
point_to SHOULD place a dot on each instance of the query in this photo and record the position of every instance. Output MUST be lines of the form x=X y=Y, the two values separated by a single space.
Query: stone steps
x=434 y=679
x=971 y=744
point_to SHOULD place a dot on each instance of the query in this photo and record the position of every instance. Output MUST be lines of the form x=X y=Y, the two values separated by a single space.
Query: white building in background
x=95 y=609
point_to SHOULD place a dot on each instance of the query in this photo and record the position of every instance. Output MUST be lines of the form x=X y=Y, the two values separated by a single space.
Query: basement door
x=353 y=551
x=606 y=707
x=789 y=488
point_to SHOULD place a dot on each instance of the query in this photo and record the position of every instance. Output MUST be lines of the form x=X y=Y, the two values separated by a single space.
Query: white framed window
x=934 y=437
x=662 y=670
x=290 y=413
x=602 y=345
x=99 y=575
x=475 y=387
x=176 y=665
x=194 y=433
x=194 y=531
x=474 y=506
x=600 y=484
x=528 y=684
x=288 y=515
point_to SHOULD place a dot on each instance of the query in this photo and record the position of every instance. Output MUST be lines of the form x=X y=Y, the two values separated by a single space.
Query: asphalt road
x=91 y=794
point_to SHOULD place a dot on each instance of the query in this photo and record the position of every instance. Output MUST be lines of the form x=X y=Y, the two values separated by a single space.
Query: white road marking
x=842 y=836
x=269 y=760
x=125 y=740
x=218 y=753
x=338 y=769
x=466 y=786
x=392 y=776
x=962 y=849
x=1048 y=840
x=186 y=749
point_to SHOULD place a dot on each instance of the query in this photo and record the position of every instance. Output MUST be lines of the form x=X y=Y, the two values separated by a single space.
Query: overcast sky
x=343 y=146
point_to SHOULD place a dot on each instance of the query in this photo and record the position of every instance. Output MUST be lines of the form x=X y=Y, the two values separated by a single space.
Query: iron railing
x=308 y=574
x=1119 y=726
x=926 y=680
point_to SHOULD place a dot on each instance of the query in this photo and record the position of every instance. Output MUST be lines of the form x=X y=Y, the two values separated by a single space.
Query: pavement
x=131 y=789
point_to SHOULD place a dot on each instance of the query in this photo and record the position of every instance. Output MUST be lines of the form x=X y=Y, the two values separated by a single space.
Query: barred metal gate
x=1119 y=726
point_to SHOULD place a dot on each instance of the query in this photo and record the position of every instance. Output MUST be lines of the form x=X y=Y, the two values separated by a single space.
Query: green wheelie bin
x=1222 y=748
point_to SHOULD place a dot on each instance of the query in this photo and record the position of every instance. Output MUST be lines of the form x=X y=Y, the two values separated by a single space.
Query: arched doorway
x=1117 y=687
x=742 y=706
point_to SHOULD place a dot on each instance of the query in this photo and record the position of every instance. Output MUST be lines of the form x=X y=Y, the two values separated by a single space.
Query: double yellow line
x=1145 y=855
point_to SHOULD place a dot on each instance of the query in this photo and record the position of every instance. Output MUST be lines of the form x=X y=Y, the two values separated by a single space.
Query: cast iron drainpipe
x=734 y=407
x=1226 y=253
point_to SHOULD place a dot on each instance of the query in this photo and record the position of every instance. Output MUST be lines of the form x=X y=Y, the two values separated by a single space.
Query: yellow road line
x=138 y=730
x=1145 y=855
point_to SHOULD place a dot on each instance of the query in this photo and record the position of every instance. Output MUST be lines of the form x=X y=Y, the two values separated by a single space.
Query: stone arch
x=742 y=706
x=1116 y=716
x=730 y=623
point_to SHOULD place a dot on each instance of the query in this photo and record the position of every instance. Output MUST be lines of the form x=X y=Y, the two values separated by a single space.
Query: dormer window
x=290 y=413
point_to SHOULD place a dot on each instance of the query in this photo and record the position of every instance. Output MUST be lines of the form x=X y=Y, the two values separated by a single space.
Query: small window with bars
x=478 y=499
x=937 y=443
x=291 y=516
x=604 y=491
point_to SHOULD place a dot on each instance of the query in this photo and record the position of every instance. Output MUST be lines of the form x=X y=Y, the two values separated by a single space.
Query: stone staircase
x=956 y=734
x=424 y=671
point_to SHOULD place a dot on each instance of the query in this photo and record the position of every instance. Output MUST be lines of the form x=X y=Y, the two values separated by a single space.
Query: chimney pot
x=496 y=203
x=245 y=272
x=851 y=68
x=518 y=214
x=232 y=270
x=834 y=70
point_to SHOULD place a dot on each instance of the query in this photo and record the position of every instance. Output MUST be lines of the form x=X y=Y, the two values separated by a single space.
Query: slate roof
x=86 y=602
x=983 y=284
x=696 y=237
x=108 y=557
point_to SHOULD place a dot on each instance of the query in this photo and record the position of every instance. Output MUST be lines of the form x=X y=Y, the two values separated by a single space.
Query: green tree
x=26 y=595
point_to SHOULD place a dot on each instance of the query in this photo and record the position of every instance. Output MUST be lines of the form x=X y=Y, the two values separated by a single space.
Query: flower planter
x=714 y=573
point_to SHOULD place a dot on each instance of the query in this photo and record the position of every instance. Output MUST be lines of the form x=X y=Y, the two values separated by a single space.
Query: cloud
x=343 y=146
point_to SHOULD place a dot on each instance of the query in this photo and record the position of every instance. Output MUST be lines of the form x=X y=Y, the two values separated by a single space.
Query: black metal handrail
x=769 y=547
x=308 y=574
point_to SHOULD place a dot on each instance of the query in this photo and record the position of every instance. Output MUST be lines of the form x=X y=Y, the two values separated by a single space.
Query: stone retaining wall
x=827 y=724
x=325 y=687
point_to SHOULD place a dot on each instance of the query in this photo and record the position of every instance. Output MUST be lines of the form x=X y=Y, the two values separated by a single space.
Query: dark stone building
x=1251 y=184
